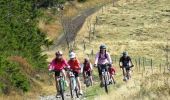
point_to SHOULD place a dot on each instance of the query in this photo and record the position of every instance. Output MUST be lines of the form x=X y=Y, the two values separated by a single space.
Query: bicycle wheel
x=90 y=81
x=72 y=87
x=105 y=83
x=76 y=90
x=61 y=88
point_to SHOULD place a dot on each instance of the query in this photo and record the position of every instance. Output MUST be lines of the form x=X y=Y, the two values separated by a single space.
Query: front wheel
x=61 y=89
x=76 y=90
x=72 y=87
x=105 y=84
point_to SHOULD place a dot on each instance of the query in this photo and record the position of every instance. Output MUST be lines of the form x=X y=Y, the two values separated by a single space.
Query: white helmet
x=72 y=55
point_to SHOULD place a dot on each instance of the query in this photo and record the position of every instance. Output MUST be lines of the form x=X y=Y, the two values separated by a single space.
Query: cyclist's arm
x=67 y=66
x=96 y=58
x=91 y=67
x=120 y=62
x=51 y=66
x=109 y=58
x=130 y=61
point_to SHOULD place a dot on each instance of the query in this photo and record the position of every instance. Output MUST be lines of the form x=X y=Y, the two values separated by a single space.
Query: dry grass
x=137 y=27
x=54 y=28
x=25 y=66
x=141 y=27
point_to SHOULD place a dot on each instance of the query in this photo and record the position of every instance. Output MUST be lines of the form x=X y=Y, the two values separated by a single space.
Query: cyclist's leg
x=127 y=72
x=84 y=77
x=57 y=74
x=100 y=72
x=108 y=74
x=64 y=74
x=91 y=78
x=78 y=81
x=124 y=72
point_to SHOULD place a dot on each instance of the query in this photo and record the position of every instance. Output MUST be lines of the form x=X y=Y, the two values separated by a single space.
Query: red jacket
x=112 y=70
x=58 y=65
x=74 y=65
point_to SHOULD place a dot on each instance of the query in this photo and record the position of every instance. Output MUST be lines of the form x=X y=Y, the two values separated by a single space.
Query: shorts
x=76 y=74
x=88 y=73
x=127 y=68
x=102 y=67
x=57 y=73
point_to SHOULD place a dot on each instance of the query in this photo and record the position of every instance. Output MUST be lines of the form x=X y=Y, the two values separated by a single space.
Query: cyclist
x=102 y=58
x=75 y=67
x=57 y=65
x=112 y=72
x=124 y=63
x=87 y=69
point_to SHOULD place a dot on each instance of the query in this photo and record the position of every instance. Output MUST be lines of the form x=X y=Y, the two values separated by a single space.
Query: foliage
x=20 y=36
x=81 y=0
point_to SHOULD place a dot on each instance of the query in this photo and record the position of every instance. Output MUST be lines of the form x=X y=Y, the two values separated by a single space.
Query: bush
x=81 y=0
x=20 y=81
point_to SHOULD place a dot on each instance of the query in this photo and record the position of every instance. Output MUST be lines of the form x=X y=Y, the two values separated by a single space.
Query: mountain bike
x=62 y=85
x=127 y=73
x=105 y=77
x=73 y=85
x=88 y=80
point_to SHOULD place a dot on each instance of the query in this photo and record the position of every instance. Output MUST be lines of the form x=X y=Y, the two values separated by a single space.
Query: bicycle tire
x=71 y=88
x=76 y=90
x=105 y=84
x=61 y=89
x=90 y=82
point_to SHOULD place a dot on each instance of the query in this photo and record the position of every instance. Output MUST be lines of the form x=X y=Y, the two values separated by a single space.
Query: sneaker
x=81 y=92
x=125 y=78
x=58 y=95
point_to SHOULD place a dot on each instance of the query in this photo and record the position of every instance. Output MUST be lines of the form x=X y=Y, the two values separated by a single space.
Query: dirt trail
x=73 y=26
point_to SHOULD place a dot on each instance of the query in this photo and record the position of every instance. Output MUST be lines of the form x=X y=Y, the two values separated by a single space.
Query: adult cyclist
x=102 y=58
x=57 y=65
x=125 y=63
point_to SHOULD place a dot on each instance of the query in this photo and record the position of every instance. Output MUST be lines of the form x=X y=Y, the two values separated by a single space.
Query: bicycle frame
x=87 y=79
x=73 y=85
x=105 y=78
x=61 y=85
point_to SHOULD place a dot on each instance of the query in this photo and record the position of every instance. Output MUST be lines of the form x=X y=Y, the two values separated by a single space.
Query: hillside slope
x=142 y=28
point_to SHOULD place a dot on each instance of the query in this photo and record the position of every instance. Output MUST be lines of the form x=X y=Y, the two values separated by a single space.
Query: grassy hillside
x=140 y=27
x=51 y=23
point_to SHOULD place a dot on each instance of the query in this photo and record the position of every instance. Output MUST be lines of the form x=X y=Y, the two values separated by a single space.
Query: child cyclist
x=75 y=67
x=112 y=72
x=57 y=65
x=87 y=69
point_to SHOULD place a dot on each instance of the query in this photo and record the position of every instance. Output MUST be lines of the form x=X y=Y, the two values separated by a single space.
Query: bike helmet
x=86 y=59
x=125 y=53
x=72 y=55
x=59 y=53
x=102 y=46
